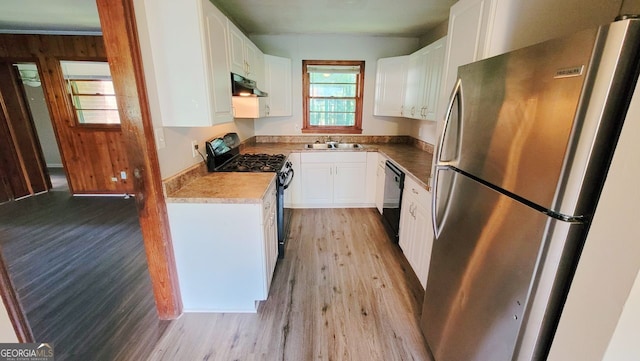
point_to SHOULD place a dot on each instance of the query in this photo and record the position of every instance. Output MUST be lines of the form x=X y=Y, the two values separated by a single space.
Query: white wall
x=609 y=264
x=334 y=47
x=624 y=342
x=7 y=334
x=44 y=128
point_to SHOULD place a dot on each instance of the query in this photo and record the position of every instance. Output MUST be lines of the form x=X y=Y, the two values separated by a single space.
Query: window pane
x=333 y=90
x=92 y=87
x=98 y=117
x=332 y=78
x=95 y=102
x=332 y=105
x=330 y=119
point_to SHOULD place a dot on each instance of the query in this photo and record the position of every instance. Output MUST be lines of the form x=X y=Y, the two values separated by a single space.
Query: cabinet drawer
x=423 y=197
x=331 y=156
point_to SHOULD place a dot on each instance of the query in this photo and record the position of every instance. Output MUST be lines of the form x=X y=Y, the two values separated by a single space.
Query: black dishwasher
x=393 y=185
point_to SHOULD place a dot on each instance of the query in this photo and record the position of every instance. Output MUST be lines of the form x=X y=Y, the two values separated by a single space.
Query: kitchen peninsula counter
x=224 y=187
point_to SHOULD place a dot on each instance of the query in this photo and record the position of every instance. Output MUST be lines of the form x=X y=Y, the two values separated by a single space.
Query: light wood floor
x=343 y=292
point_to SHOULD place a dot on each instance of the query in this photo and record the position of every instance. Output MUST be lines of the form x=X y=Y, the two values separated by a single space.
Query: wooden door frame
x=119 y=31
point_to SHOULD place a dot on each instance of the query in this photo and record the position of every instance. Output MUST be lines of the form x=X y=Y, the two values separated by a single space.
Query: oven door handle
x=288 y=179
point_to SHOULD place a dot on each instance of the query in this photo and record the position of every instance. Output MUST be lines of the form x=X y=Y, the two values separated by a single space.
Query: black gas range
x=223 y=155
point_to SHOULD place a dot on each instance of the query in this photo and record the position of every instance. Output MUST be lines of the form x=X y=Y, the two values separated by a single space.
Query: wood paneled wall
x=91 y=156
x=20 y=137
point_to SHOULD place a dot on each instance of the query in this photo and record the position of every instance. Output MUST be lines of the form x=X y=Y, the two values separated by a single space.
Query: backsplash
x=362 y=139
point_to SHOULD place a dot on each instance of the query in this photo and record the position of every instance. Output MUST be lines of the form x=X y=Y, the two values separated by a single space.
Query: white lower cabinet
x=330 y=179
x=292 y=195
x=380 y=179
x=416 y=233
x=225 y=253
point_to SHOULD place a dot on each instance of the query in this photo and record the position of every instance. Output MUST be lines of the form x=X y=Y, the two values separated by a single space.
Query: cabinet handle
x=413 y=110
x=414 y=191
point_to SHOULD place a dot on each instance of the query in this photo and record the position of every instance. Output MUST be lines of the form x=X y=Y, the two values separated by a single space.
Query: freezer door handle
x=456 y=106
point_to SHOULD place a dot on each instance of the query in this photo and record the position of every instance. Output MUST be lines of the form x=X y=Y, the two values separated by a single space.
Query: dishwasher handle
x=398 y=174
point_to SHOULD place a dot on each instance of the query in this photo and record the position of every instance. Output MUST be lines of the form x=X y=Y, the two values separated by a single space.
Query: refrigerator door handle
x=438 y=220
x=456 y=93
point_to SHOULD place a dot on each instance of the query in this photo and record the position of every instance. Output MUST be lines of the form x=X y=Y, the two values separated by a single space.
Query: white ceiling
x=361 y=17
x=49 y=16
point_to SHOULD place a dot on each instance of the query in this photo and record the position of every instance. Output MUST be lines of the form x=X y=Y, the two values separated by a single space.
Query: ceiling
x=49 y=16
x=358 y=17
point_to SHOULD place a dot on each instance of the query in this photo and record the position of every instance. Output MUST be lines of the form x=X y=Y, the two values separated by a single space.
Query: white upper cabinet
x=391 y=77
x=218 y=64
x=191 y=78
x=278 y=85
x=423 y=81
x=244 y=57
x=467 y=41
x=433 y=79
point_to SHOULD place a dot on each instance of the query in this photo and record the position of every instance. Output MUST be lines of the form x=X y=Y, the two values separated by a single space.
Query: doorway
x=22 y=168
x=37 y=104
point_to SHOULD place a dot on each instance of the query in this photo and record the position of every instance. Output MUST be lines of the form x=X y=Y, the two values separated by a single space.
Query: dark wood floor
x=343 y=292
x=80 y=271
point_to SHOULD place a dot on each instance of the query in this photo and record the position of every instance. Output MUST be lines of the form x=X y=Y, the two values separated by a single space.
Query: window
x=332 y=96
x=92 y=95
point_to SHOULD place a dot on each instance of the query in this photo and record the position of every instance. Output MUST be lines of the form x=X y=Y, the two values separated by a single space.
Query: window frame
x=306 y=98
x=72 y=94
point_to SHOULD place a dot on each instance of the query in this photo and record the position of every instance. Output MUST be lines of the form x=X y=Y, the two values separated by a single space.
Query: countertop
x=238 y=187
x=415 y=162
x=224 y=187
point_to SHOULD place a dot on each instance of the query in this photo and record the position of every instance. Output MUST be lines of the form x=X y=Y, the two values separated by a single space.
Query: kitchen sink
x=348 y=146
x=333 y=146
x=318 y=146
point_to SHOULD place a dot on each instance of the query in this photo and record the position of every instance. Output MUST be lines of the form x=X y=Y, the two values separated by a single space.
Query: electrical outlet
x=114 y=179
x=194 y=148
x=123 y=175
x=159 y=133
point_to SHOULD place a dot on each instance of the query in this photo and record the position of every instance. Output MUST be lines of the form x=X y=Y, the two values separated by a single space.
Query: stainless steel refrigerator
x=519 y=168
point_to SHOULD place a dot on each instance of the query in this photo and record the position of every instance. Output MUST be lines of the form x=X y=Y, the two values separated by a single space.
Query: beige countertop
x=224 y=187
x=415 y=162
x=238 y=187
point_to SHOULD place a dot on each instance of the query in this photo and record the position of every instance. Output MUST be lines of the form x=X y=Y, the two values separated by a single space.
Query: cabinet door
x=413 y=87
x=317 y=183
x=391 y=77
x=349 y=182
x=236 y=50
x=434 y=74
x=270 y=244
x=255 y=63
x=423 y=241
x=380 y=179
x=292 y=196
x=466 y=41
x=405 y=231
x=218 y=63
x=175 y=34
x=278 y=85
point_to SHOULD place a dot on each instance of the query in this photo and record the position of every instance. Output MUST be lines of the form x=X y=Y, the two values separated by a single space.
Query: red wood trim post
x=118 y=23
